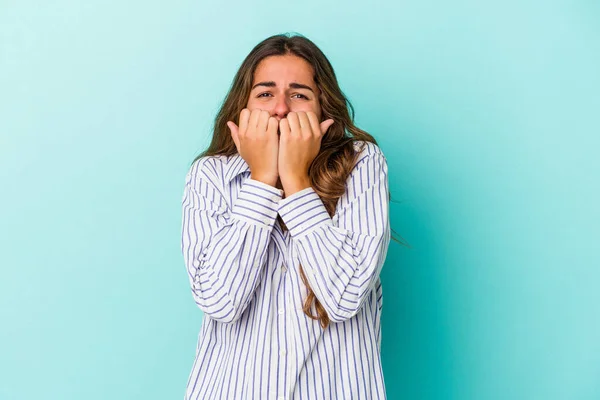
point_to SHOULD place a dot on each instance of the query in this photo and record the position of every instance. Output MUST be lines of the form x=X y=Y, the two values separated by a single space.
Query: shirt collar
x=237 y=165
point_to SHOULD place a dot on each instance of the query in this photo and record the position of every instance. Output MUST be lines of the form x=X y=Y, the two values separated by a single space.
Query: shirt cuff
x=257 y=203
x=303 y=211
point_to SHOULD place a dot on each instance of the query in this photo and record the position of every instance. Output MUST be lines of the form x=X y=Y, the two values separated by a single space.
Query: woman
x=291 y=309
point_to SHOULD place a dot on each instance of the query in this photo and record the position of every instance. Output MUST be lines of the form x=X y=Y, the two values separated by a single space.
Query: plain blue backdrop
x=488 y=113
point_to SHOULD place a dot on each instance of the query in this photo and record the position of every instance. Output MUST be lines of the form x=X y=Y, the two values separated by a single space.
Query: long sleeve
x=343 y=256
x=225 y=248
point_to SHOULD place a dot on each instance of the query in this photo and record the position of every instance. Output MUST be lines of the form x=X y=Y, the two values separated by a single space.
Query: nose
x=282 y=108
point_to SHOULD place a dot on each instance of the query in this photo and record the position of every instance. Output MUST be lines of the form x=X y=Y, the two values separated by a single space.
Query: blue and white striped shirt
x=255 y=341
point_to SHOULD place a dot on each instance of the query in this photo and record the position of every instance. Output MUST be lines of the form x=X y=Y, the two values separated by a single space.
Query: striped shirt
x=255 y=342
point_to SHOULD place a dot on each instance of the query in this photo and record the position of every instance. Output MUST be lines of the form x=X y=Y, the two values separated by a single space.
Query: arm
x=342 y=257
x=225 y=249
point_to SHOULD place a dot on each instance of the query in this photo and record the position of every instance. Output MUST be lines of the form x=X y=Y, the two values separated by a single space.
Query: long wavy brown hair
x=332 y=166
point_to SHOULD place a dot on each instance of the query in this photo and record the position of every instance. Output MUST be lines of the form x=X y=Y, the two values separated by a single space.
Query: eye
x=260 y=95
x=301 y=95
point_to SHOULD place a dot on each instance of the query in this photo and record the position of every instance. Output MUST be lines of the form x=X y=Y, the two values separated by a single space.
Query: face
x=282 y=84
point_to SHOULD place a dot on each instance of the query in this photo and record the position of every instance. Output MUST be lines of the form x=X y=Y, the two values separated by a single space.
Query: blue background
x=488 y=113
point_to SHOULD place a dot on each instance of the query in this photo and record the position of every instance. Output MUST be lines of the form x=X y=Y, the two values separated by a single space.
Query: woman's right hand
x=257 y=142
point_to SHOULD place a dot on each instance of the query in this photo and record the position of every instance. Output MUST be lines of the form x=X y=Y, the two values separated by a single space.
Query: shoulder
x=368 y=151
x=207 y=169
x=370 y=169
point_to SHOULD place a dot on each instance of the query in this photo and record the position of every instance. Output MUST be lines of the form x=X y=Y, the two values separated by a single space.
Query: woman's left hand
x=299 y=143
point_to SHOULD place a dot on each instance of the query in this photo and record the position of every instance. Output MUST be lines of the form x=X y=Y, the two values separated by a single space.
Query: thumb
x=233 y=128
x=325 y=125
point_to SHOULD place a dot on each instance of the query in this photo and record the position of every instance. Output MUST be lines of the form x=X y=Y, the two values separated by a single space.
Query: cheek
x=317 y=110
x=254 y=102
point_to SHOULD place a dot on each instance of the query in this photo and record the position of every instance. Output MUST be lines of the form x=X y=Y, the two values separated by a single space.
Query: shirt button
x=281 y=398
x=282 y=353
x=281 y=311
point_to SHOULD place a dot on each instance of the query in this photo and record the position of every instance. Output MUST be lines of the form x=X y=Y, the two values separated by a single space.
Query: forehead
x=283 y=69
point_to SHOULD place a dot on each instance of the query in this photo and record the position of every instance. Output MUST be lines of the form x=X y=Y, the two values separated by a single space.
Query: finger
x=253 y=120
x=294 y=123
x=304 y=124
x=314 y=123
x=234 y=134
x=273 y=126
x=325 y=125
x=244 y=119
x=263 y=121
x=284 y=129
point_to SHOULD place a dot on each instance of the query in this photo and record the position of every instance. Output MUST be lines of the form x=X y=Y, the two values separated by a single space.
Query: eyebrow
x=293 y=85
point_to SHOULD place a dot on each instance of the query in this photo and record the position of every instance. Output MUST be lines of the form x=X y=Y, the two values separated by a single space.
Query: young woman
x=285 y=230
